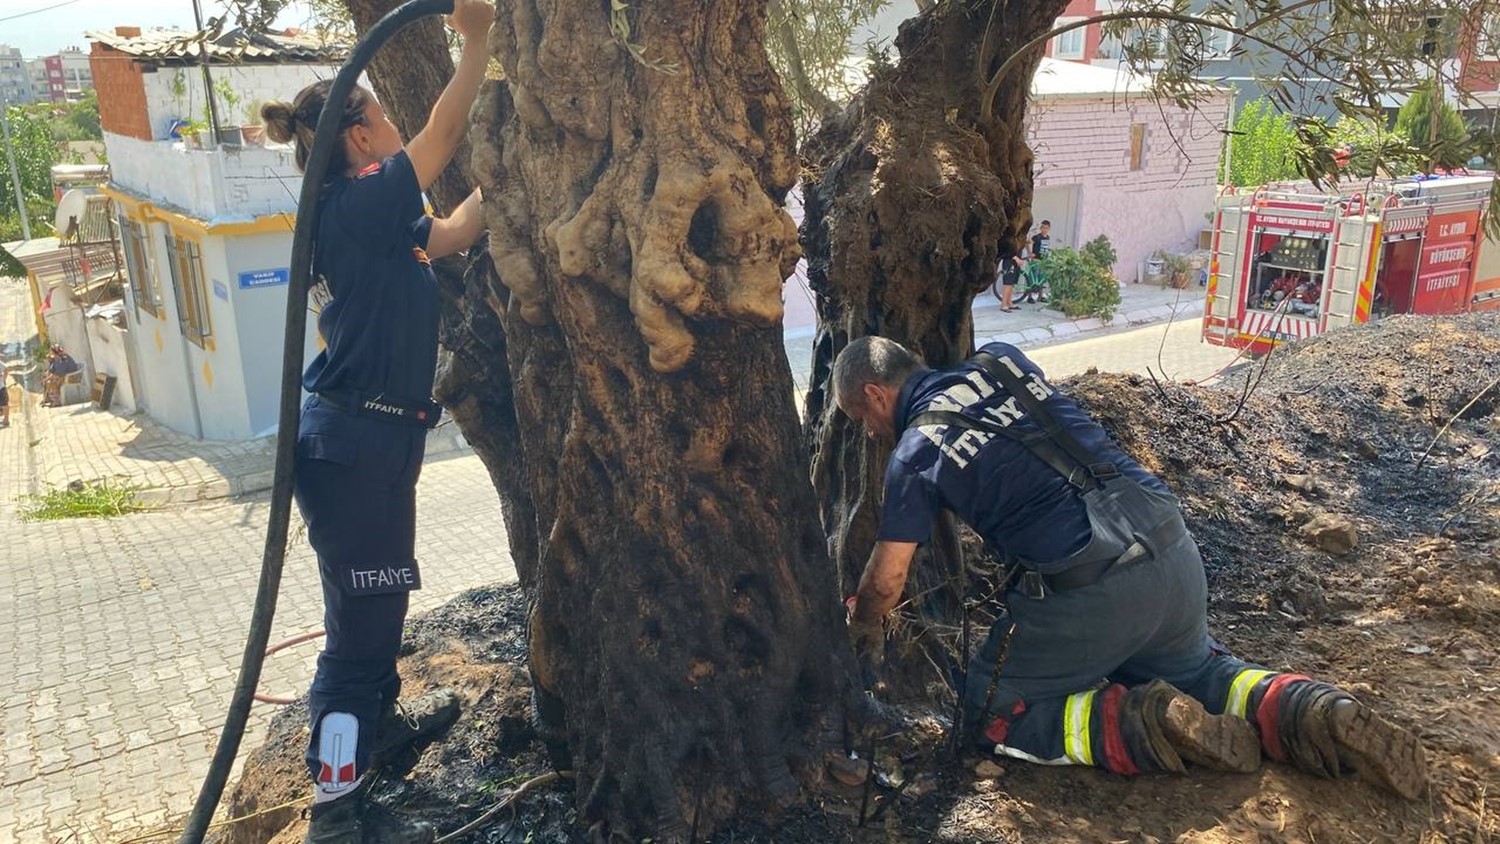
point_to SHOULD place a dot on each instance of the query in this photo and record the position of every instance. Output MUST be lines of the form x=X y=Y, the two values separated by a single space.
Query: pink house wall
x=1086 y=142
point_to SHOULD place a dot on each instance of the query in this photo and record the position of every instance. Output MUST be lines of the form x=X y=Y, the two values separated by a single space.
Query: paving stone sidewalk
x=82 y=443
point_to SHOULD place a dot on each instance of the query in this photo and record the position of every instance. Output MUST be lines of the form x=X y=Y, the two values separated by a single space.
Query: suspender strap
x=1037 y=443
x=1097 y=470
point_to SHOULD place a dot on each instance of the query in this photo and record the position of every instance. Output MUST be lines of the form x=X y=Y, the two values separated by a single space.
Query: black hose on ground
x=291 y=406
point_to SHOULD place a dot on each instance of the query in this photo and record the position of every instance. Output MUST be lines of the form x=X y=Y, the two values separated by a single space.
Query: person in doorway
x=1041 y=246
x=1107 y=586
x=4 y=395
x=1010 y=273
x=60 y=365
x=364 y=425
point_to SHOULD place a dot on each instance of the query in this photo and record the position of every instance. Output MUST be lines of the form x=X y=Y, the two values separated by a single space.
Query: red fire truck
x=1292 y=261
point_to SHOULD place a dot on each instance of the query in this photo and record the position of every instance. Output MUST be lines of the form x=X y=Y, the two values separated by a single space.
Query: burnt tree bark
x=910 y=199
x=686 y=638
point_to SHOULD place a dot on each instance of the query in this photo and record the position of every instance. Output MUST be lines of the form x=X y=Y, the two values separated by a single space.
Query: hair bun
x=280 y=121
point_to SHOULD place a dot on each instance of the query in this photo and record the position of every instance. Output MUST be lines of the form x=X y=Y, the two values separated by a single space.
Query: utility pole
x=208 y=82
x=15 y=173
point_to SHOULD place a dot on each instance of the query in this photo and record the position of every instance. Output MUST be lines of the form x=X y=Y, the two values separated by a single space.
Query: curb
x=439 y=444
x=1072 y=329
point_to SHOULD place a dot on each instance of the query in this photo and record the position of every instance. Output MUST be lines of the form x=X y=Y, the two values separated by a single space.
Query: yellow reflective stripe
x=1078 y=715
x=1239 y=690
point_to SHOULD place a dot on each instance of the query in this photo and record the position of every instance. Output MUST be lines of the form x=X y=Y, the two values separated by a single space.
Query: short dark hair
x=872 y=360
x=1046 y=222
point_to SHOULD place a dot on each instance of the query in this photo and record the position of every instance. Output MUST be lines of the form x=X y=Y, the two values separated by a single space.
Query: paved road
x=119 y=638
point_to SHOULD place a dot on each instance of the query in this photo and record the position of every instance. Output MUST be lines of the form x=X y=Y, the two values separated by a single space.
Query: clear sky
x=40 y=31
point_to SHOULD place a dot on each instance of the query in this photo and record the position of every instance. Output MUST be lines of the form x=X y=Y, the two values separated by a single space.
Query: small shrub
x=1101 y=252
x=1078 y=284
x=80 y=501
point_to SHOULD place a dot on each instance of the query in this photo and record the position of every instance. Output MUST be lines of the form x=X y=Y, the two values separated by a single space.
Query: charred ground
x=1327 y=448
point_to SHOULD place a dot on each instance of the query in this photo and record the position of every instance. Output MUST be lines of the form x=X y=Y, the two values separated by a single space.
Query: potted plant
x=192 y=134
x=253 y=132
x=1175 y=269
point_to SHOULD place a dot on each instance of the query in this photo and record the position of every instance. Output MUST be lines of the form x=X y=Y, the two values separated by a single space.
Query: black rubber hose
x=291 y=406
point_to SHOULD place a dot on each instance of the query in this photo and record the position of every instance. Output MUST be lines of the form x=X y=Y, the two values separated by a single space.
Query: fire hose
x=274 y=553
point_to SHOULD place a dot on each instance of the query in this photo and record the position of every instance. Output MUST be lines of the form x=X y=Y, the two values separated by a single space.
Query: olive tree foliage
x=809 y=42
x=1355 y=58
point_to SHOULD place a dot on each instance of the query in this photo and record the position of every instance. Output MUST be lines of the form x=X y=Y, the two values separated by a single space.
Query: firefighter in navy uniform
x=1103 y=656
x=364 y=427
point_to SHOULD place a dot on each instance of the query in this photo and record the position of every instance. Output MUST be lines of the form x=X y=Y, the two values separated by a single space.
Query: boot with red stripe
x=1325 y=731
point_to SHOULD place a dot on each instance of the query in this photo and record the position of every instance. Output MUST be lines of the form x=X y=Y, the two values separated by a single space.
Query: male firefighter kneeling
x=1103 y=657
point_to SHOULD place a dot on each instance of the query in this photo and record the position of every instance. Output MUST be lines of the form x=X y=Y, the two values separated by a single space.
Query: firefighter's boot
x=355 y=819
x=406 y=729
x=1163 y=728
x=1325 y=731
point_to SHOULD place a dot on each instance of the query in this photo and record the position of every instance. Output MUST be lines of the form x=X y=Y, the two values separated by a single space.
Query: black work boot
x=355 y=819
x=1163 y=727
x=1324 y=730
x=406 y=729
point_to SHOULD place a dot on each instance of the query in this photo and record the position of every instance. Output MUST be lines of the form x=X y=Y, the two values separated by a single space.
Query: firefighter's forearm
x=883 y=580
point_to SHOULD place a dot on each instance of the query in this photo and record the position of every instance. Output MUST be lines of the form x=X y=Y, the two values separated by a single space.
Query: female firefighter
x=364 y=426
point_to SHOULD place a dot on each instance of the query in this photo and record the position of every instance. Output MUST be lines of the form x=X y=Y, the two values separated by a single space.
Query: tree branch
x=987 y=102
x=809 y=93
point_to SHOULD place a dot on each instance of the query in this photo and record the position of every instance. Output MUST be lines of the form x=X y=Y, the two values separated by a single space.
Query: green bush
x=1260 y=150
x=1080 y=283
x=1101 y=252
x=1451 y=146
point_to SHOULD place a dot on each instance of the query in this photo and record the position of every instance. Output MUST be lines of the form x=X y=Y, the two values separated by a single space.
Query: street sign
x=265 y=278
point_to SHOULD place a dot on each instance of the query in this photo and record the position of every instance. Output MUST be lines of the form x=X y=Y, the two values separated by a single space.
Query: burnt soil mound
x=1344 y=538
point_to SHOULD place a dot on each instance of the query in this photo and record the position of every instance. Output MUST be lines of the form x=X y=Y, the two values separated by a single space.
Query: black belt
x=1034 y=584
x=423 y=414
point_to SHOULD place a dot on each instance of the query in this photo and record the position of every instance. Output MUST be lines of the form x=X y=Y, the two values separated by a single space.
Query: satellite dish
x=70 y=211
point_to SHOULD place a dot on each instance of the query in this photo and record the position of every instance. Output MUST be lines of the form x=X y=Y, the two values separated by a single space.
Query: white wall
x=111 y=357
x=231 y=183
x=218 y=378
x=160 y=356
x=260 y=313
x=65 y=327
x=249 y=82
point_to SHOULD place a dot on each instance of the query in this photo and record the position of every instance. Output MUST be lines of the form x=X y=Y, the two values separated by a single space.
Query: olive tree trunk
x=912 y=194
x=686 y=638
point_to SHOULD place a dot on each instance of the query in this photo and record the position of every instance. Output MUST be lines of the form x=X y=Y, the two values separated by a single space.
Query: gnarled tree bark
x=474 y=382
x=911 y=199
x=686 y=636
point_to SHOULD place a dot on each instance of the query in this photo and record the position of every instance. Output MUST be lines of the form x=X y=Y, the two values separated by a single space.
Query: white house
x=205 y=228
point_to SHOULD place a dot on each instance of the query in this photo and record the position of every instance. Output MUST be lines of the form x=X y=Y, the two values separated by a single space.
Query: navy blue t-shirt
x=381 y=327
x=1018 y=503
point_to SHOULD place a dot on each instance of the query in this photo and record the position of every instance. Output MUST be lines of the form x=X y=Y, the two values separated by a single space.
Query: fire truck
x=1292 y=261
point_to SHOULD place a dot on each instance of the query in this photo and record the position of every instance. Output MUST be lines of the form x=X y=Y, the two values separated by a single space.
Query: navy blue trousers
x=1141 y=621
x=356 y=489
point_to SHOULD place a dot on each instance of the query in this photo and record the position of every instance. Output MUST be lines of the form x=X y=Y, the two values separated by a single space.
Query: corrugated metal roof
x=94 y=226
x=236 y=45
x=54 y=262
